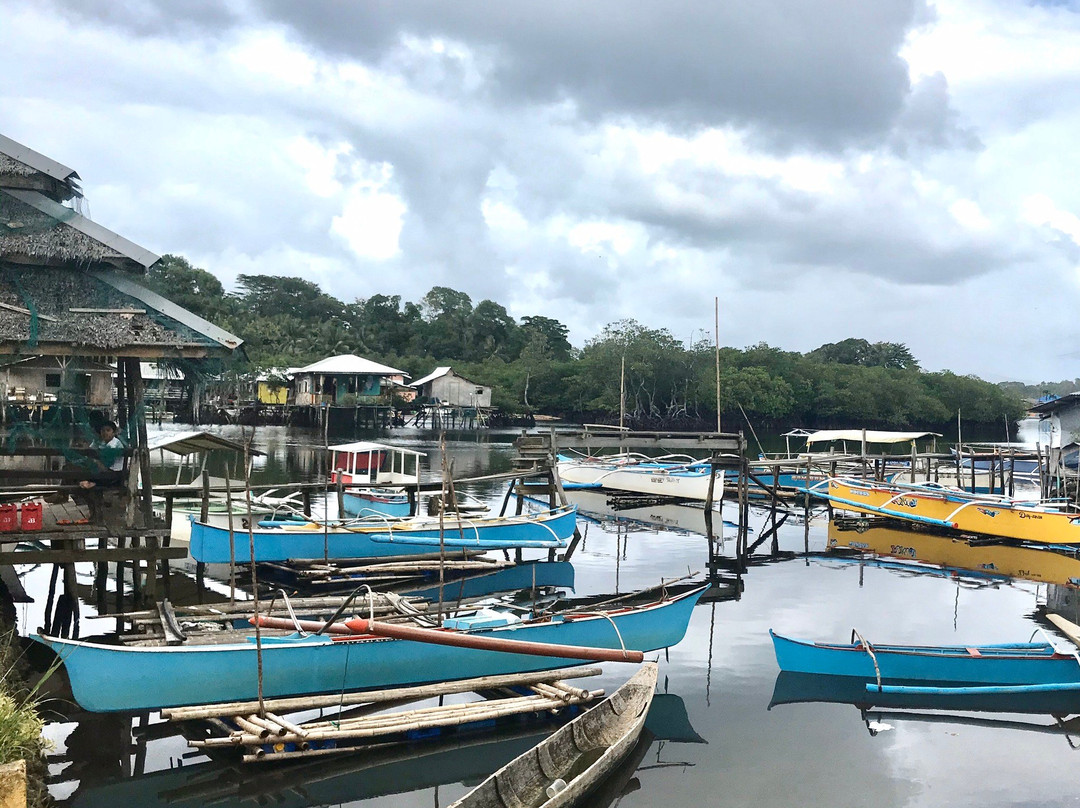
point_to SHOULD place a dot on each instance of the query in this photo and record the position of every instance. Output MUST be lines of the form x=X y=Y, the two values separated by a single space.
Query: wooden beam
x=66 y=556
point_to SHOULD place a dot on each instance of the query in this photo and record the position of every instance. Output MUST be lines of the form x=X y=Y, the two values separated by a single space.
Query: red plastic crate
x=31 y=515
x=9 y=518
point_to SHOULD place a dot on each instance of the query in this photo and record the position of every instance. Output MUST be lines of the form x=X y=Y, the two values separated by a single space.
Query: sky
x=894 y=170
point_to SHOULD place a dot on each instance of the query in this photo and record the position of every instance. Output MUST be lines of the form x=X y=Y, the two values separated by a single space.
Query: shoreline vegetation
x=533 y=369
x=20 y=724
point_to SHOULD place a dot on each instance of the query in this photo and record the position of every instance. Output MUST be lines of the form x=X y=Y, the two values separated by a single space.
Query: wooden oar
x=461 y=640
x=1066 y=627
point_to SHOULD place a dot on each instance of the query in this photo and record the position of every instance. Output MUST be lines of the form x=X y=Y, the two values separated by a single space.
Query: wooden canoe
x=567 y=765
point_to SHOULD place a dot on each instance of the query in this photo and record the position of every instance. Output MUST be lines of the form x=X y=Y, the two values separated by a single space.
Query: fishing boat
x=1011 y=665
x=111 y=678
x=374 y=476
x=381 y=537
x=939 y=506
x=678 y=476
x=576 y=757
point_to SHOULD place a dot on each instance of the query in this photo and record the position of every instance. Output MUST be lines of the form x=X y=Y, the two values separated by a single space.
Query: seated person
x=107 y=459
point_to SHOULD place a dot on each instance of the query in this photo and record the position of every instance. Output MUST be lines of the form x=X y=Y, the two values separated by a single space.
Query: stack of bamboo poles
x=266 y=735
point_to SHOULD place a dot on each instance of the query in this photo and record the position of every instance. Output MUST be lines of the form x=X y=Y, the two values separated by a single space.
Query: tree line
x=533 y=368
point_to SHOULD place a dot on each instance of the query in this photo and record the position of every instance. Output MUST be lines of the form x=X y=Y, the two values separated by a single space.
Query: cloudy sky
x=893 y=170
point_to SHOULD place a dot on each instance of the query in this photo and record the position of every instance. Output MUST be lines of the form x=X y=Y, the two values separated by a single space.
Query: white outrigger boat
x=678 y=476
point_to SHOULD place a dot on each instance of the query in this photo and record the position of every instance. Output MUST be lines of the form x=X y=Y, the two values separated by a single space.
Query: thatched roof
x=64 y=311
x=39 y=231
x=22 y=167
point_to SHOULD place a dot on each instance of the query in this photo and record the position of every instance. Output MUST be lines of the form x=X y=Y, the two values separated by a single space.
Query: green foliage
x=532 y=367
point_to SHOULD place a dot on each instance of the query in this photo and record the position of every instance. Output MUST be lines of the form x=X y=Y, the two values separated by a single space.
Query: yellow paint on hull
x=1028 y=563
x=990 y=515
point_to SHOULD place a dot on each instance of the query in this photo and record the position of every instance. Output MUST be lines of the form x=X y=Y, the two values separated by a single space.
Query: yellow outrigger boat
x=931 y=504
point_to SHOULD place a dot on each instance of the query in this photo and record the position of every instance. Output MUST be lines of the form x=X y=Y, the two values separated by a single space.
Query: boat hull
x=385 y=503
x=382 y=539
x=648 y=479
x=1014 y=664
x=107 y=678
x=992 y=516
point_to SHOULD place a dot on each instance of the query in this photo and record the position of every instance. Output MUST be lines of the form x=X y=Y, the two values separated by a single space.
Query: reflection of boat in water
x=461 y=757
x=1029 y=563
x=686 y=519
x=799 y=688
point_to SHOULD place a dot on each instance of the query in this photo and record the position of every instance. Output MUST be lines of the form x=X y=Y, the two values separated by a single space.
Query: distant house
x=344 y=380
x=271 y=387
x=163 y=384
x=62 y=379
x=443 y=386
x=1063 y=415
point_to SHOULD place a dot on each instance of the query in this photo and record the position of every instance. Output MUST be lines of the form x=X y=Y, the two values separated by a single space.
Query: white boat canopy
x=366 y=446
x=869 y=435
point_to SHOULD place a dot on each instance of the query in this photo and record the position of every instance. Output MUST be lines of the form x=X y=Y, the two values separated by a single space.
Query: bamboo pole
x=284 y=705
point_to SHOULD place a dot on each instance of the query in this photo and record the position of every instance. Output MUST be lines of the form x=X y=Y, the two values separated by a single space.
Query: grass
x=20 y=724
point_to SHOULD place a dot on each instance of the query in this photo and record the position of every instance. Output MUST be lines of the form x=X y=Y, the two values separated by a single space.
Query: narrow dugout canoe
x=570 y=763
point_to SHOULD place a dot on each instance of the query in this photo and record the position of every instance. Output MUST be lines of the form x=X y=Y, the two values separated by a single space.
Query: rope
x=870 y=650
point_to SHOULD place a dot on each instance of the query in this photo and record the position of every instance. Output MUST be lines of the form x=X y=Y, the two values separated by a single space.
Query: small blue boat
x=383 y=538
x=116 y=678
x=374 y=476
x=951 y=665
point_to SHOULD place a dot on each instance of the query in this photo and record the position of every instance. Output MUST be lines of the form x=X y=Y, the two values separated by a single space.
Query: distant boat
x=112 y=678
x=570 y=763
x=677 y=476
x=375 y=476
x=1012 y=665
x=382 y=537
x=931 y=504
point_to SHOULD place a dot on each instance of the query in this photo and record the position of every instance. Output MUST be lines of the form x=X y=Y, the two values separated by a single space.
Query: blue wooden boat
x=375 y=476
x=950 y=665
x=383 y=538
x=116 y=678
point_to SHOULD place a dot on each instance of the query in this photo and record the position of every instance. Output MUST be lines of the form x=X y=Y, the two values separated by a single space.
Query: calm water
x=728 y=749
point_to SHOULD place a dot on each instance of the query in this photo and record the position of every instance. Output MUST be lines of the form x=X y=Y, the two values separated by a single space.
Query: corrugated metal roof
x=435 y=374
x=66 y=216
x=350 y=364
x=124 y=284
x=1065 y=402
x=37 y=161
x=189 y=442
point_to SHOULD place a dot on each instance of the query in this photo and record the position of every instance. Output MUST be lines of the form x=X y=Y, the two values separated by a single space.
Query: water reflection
x=433 y=772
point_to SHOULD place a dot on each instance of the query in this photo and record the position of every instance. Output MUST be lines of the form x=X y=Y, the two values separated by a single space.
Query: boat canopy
x=870 y=435
x=361 y=447
x=185 y=443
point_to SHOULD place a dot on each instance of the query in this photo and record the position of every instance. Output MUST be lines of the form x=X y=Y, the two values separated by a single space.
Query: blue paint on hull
x=1011 y=664
x=396 y=506
x=109 y=678
x=552 y=529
